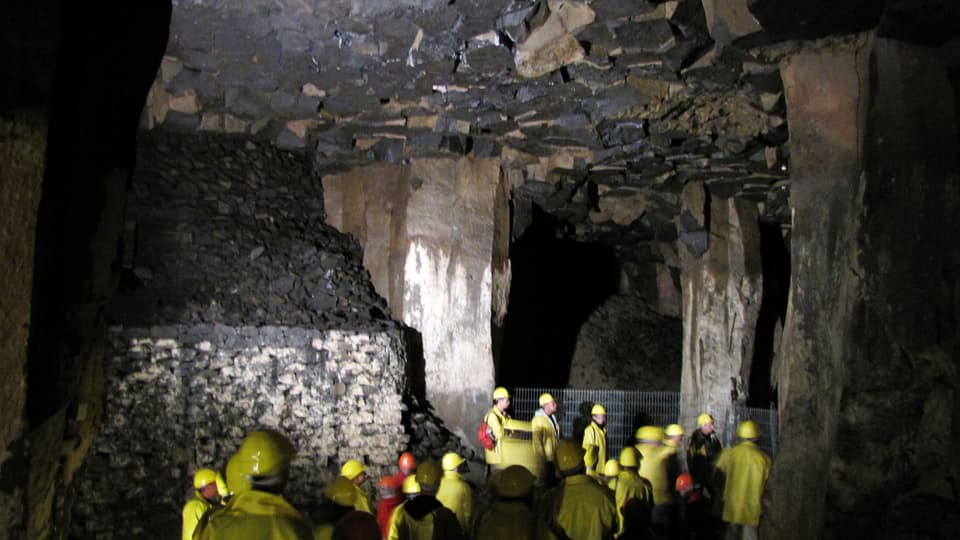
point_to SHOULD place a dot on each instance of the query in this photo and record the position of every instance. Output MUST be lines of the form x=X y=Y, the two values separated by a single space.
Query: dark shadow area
x=556 y=284
x=775 y=258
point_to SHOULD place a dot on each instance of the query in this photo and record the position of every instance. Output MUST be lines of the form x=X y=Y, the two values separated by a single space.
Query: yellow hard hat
x=704 y=418
x=500 y=393
x=515 y=481
x=748 y=430
x=673 y=430
x=611 y=468
x=545 y=398
x=262 y=453
x=203 y=477
x=341 y=491
x=629 y=457
x=410 y=485
x=428 y=475
x=597 y=409
x=569 y=455
x=352 y=469
x=649 y=433
x=451 y=460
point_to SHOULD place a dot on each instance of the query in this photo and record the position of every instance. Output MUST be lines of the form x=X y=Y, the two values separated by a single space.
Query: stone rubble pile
x=181 y=397
x=429 y=438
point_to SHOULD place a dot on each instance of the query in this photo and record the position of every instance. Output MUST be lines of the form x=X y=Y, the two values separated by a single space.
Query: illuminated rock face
x=436 y=253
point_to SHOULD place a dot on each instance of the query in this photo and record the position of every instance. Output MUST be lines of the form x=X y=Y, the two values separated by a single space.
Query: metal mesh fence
x=628 y=410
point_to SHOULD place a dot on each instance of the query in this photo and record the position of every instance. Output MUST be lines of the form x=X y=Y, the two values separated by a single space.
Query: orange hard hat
x=407 y=461
x=390 y=482
x=684 y=482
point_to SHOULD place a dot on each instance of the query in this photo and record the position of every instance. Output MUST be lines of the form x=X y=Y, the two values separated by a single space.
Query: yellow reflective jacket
x=653 y=467
x=545 y=437
x=255 y=515
x=192 y=512
x=496 y=420
x=512 y=520
x=595 y=445
x=744 y=470
x=631 y=486
x=361 y=503
x=456 y=495
x=580 y=508
x=423 y=518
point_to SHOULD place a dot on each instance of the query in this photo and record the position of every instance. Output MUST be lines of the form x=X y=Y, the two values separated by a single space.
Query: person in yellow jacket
x=206 y=493
x=423 y=517
x=653 y=467
x=256 y=474
x=631 y=486
x=511 y=516
x=356 y=473
x=611 y=473
x=742 y=472
x=454 y=493
x=340 y=497
x=578 y=507
x=496 y=419
x=545 y=432
x=595 y=441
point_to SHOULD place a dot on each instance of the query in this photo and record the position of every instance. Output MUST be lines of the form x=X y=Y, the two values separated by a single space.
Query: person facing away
x=695 y=519
x=630 y=486
x=742 y=472
x=340 y=497
x=389 y=498
x=356 y=474
x=206 y=494
x=578 y=508
x=703 y=449
x=423 y=517
x=512 y=516
x=406 y=466
x=496 y=420
x=595 y=442
x=545 y=432
x=454 y=492
x=257 y=474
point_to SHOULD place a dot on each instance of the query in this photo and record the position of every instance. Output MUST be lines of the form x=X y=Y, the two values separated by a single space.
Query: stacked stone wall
x=181 y=397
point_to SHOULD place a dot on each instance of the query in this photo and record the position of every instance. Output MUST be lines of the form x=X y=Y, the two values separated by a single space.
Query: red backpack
x=485 y=434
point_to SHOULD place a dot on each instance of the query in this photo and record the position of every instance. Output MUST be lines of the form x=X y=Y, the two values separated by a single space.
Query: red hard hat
x=390 y=482
x=407 y=461
x=684 y=482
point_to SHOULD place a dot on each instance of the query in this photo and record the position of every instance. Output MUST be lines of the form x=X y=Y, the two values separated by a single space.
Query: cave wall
x=867 y=390
x=431 y=240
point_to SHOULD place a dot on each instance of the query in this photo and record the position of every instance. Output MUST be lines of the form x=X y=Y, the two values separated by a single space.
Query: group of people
x=656 y=490
x=649 y=492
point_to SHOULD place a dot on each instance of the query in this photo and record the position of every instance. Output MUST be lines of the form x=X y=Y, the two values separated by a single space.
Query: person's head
x=684 y=483
x=388 y=487
x=341 y=492
x=261 y=463
x=705 y=423
x=599 y=414
x=514 y=482
x=611 y=469
x=748 y=431
x=548 y=403
x=570 y=458
x=411 y=488
x=501 y=398
x=354 y=471
x=629 y=459
x=452 y=462
x=205 y=484
x=428 y=476
x=407 y=463
x=673 y=435
x=652 y=435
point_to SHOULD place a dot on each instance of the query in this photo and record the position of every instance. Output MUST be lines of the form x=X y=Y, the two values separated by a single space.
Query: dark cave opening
x=557 y=283
x=775 y=259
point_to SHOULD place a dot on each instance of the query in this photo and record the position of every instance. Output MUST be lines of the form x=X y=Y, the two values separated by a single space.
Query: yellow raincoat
x=745 y=469
x=595 y=446
x=255 y=515
x=581 y=508
x=456 y=495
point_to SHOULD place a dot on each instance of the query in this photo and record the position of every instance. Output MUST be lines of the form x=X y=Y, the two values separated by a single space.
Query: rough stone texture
x=435 y=246
x=729 y=19
x=182 y=397
x=625 y=345
x=721 y=283
x=22 y=155
x=873 y=294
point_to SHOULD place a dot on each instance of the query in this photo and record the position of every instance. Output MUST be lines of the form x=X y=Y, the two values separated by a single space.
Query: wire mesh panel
x=628 y=410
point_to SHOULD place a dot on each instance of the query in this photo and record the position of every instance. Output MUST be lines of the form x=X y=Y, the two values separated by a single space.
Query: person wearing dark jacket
x=424 y=517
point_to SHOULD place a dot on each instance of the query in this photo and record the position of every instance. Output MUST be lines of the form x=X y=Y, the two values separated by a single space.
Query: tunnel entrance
x=557 y=283
x=775 y=259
